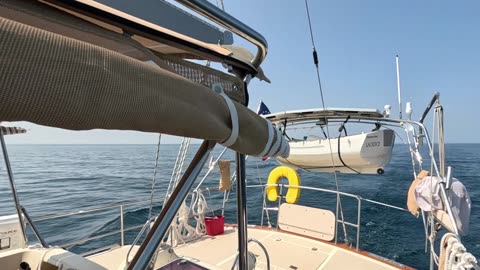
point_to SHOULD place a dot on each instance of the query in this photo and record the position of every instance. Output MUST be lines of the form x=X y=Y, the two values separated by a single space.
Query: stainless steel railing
x=229 y=22
x=121 y=208
x=359 y=199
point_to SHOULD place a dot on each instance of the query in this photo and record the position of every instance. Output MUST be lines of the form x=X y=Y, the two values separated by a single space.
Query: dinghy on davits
x=365 y=153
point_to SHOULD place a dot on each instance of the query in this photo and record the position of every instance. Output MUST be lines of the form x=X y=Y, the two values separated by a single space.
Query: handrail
x=226 y=20
x=122 y=229
x=335 y=192
x=357 y=197
x=80 y=241
x=34 y=228
x=96 y=209
x=142 y=231
x=122 y=205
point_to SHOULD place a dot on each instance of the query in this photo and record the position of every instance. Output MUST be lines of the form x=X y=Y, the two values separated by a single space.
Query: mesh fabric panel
x=58 y=81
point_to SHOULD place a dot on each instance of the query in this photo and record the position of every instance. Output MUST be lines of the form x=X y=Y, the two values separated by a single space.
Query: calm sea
x=56 y=179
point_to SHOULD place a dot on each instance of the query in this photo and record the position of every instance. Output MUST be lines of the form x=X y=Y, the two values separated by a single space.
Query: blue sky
x=356 y=41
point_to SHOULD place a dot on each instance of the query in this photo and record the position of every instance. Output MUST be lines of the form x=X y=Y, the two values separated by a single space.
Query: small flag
x=263 y=109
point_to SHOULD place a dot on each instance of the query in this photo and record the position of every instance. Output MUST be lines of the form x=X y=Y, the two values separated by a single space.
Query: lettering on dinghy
x=8 y=232
x=372 y=144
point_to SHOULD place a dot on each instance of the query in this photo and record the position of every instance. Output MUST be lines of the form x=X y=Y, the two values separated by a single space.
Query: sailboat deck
x=286 y=251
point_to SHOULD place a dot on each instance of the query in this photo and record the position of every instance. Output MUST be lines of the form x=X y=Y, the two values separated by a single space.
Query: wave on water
x=57 y=179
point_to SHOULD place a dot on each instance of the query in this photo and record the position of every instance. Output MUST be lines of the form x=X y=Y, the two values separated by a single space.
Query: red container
x=214 y=225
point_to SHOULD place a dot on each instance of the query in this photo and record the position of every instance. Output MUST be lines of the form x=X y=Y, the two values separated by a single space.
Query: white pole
x=398 y=89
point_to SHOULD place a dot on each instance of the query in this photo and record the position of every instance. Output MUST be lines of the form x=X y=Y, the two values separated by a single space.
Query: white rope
x=199 y=208
x=456 y=255
x=182 y=231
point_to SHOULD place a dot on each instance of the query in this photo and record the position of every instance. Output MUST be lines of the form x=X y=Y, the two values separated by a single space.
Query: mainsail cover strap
x=53 y=80
x=268 y=146
x=277 y=144
x=281 y=146
x=12 y=130
x=234 y=116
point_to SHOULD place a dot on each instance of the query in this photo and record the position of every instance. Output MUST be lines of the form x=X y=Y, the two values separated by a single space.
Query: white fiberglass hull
x=362 y=153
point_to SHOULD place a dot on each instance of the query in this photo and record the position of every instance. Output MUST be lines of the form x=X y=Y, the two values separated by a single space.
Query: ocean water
x=56 y=179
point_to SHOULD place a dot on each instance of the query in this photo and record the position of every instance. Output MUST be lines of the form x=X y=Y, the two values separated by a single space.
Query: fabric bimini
x=293 y=193
x=53 y=80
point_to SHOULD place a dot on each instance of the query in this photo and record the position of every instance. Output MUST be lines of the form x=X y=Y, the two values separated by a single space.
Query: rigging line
x=344 y=129
x=310 y=26
x=324 y=134
x=174 y=171
x=177 y=169
x=154 y=180
x=264 y=210
x=319 y=81
x=340 y=156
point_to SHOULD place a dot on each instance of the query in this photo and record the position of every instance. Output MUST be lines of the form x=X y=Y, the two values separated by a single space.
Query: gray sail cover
x=53 y=80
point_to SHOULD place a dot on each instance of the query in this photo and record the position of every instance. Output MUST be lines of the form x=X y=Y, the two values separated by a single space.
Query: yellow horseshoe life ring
x=293 y=193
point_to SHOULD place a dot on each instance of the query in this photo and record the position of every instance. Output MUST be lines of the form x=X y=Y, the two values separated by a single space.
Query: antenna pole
x=398 y=88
